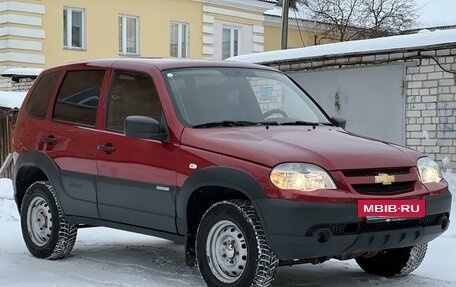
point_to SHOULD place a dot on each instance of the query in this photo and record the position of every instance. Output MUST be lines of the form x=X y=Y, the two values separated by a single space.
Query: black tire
x=394 y=262
x=46 y=232
x=237 y=223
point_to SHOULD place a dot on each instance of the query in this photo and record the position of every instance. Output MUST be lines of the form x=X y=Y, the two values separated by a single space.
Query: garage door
x=370 y=98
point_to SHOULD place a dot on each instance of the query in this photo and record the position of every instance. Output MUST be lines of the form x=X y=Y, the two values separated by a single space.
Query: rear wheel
x=231 y=247
x=46 y=232
x=394 y=262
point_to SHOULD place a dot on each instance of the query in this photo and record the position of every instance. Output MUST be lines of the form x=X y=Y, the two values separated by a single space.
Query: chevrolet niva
x=236 y=161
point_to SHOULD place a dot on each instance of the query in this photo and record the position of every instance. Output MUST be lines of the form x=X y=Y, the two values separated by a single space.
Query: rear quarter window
x=78 y=97
x=39 y=99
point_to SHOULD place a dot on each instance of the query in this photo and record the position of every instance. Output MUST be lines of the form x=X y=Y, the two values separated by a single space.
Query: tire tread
x=267 y=261
x=67 y=233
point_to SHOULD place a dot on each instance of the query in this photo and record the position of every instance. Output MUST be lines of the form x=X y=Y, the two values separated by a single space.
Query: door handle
x=49 y=139
x=107 y=148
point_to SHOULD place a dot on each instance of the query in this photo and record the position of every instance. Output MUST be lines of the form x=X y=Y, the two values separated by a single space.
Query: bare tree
x=388 y=17
x=361 y=18
x=341 y=15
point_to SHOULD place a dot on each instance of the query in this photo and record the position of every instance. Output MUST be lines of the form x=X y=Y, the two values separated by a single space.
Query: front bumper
x=304 y=230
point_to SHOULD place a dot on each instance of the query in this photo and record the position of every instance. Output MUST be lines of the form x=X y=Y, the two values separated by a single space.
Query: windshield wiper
x=236 y=124
x=226 y=124
x=304 y=123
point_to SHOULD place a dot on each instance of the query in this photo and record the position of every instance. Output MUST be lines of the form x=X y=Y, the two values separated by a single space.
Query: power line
x=299 y=29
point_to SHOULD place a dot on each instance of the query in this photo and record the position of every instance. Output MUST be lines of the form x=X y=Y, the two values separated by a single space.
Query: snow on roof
x=387 y=44
x=22 y=72
x=12 y=100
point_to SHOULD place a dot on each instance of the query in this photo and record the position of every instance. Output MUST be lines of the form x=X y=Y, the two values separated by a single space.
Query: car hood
x=329 y=147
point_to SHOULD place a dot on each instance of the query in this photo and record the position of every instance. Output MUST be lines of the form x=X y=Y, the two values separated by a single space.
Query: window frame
x=123 y=36
x=180 y=37
x=69 y=31
x=61 y=82
x=178 y=105
x=112 y=76
x=232 y=29
x=51 y=94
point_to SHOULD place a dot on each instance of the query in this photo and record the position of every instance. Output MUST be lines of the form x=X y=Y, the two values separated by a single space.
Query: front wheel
x=231 y=247
x=394 y=262
x=46 y=232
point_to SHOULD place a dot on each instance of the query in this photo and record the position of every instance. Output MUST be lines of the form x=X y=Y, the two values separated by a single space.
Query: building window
x=129 y=35
x=74 y=28
x=230 y=42
x=179 y=40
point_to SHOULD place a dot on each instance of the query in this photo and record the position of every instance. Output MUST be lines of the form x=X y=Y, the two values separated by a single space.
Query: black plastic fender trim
x=69 y=205
x=225 y=177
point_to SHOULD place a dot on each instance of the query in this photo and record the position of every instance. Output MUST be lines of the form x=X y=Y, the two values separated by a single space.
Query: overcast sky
x=436 y=12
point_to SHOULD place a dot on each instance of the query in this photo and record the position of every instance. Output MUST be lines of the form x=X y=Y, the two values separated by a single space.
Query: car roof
x=161 y=63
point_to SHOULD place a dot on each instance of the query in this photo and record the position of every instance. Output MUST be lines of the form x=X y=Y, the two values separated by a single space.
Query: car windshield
x=211 y=97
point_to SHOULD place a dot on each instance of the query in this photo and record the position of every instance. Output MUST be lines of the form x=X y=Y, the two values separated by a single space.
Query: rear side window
x=78 y=97
x=132 y=93
x=39 y=100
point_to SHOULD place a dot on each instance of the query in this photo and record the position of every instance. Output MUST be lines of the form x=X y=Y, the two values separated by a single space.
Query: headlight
x=301 y=176
x=429 y=170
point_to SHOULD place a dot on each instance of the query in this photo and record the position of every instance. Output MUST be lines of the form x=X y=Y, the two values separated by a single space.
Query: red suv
x=236 y=161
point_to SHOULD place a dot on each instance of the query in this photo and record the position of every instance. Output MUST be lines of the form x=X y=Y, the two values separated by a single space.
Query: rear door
x=136 y=177
x=70 y=138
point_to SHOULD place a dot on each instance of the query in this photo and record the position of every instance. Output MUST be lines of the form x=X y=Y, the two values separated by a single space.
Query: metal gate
x=7 y=120
x=371 y=99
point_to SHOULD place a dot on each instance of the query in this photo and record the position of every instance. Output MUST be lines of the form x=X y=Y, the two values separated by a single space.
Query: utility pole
x=284 y=39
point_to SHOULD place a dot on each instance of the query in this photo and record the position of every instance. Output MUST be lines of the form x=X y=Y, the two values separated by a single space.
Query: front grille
x=380 y=189
x=363 y=181
x=354 y=228
x=375 y=172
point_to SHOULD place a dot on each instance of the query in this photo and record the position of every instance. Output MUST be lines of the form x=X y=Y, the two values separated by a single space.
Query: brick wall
x=430 y=92
x=431 y=106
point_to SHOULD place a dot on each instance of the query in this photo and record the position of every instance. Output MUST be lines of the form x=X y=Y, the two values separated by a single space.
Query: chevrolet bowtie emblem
x=385 y=179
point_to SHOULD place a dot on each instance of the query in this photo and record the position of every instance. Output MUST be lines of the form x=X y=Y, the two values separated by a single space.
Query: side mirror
x=143 y=127
x=340 y=122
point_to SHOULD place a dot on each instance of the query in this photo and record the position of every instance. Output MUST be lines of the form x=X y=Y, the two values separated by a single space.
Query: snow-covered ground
x=105 y=257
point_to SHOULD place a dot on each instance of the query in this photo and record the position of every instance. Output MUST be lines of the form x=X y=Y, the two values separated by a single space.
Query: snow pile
x=8 y=210
x=6 y=188
x=386 y=44
x=12 y=100
x=451 y=179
